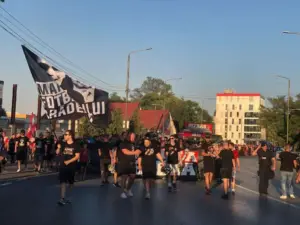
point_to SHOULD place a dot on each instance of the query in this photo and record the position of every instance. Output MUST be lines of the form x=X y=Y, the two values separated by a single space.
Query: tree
x=116 y=124
x=114 y=97
x=137 y=126
x=3 y=112
x=87 y=129
x=274 y=119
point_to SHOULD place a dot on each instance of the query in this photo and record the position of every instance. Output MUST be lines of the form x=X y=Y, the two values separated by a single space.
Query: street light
x=164 y=102
x=127 y=80
x=288 y=106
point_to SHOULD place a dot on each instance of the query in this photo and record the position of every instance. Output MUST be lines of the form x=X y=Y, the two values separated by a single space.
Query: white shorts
x=174 y=169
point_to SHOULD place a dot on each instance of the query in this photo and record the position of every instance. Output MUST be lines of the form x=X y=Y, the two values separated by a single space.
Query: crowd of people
x=122 y=155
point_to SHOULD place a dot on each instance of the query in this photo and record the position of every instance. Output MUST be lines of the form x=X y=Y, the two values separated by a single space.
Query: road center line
x=269 y=197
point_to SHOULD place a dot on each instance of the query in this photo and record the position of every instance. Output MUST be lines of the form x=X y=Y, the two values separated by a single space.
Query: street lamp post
x=164 y=102
x=288 y=106
x=127 y=81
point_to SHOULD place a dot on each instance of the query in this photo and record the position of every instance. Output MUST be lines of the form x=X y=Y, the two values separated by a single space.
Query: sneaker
x=169 y=189
x=225 y=196
x=283 y=197
x=129 y=193
x=67 y=201
x=233 y=192
x=61 y=202
x=147 y=196
x=123 y=195
x=19 y=170
x=292 y=196
x=174 y=187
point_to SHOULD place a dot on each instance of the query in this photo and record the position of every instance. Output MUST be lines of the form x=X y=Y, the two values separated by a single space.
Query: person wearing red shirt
x=237 y=163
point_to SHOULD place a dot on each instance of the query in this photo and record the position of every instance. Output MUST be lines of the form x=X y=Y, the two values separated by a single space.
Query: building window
x=239 y=135
x=251 y=99
x=229 y=127
x=233 y=107
x=236 y=141
x=226 y=121
x=237 y=114
x=232 y=135
x=237 y=128
x=230 y=114
x=240 y=107
x=251 y=107
x=225 y=135
x=226 y=114
x=226 y=127
x=232 y=121
x=226 y=107
x=240 y=121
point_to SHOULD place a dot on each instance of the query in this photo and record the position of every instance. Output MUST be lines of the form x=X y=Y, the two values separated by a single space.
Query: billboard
x=1 y=92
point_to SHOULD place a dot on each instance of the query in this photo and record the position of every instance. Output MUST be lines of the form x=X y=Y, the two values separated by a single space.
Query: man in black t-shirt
x=49 y=149
x=288 y=163
x=228 y=165
x=11 y=148
x=21 y=148
x=127 y=154
x=70 y=154
x=104 y=151
x=39 y=152
x=172 y=151
x=267 y=166
x=147 y=163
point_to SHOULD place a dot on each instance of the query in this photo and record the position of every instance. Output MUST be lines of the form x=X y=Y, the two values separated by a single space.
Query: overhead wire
x=48 y=47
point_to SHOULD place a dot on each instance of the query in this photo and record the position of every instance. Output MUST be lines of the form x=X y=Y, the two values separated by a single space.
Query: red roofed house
x=150 y=119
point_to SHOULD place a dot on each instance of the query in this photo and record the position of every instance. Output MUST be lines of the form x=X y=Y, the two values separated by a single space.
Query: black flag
x=63 y=97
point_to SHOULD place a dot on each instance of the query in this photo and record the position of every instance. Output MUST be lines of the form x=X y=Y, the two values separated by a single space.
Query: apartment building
x=237 y=116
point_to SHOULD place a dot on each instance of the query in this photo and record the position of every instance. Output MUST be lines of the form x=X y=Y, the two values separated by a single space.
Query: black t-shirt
x=287 y=161
x=40 y=145
x=22 y=143
x=68 y=152
x=148 y=155
x=104 y=147
x=207 y=160
x=126 y=158
x=49 y=143
x=265 y=159
x=172 y=151
x=226 y=157
x=1 y=142
x=11 y=144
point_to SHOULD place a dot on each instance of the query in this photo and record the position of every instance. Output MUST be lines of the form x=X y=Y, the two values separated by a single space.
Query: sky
x=211 y=45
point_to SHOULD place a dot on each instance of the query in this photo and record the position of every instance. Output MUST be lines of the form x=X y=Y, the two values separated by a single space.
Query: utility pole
x=127 y=82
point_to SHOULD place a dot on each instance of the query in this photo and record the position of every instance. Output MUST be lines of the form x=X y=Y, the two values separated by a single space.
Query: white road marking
x=269 y=197
x=6 y=184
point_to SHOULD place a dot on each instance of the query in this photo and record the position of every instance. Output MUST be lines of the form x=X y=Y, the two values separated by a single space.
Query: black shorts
x=66 y=174
x=49 y=156
x=226 y=173
x=126 y=169
x=38 y=157
x=149 y=174
x=21 y=155
x=104 y=163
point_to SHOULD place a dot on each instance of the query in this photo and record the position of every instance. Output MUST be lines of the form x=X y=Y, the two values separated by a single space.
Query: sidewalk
x=10 y=172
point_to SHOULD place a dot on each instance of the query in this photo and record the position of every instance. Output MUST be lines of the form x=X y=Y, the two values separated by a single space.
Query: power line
x=43 y=44
x=17 y=36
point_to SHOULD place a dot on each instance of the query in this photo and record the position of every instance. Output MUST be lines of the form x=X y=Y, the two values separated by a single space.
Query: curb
x=9 y=181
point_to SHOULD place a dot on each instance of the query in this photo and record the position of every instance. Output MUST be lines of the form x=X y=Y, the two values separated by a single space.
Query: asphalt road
x=34 y=202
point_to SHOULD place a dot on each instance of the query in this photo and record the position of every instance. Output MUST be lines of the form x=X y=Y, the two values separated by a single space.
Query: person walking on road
x=288 y=163
x=235 y=152
x=70 y=155
x=127 y=164
x=228 y=166
x=267 y=166
x=21 y=148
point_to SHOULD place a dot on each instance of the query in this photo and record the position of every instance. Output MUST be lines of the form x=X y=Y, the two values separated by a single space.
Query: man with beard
x=127 y=164
x=21 y=148
x=70 y=155
x=147 y=163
